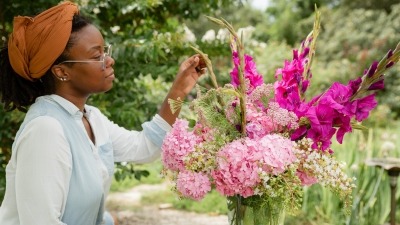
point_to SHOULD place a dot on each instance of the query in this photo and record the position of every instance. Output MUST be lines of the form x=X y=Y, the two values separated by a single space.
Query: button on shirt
x=41 y=153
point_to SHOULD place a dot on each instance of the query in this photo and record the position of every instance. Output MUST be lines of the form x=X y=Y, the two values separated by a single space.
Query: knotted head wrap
x=36 y=43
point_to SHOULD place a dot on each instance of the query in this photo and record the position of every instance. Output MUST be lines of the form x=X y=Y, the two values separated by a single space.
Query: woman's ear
x=59 y=73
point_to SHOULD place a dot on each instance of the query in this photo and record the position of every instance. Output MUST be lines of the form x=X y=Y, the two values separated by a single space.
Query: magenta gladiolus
x=372 y=69
x=287 y=97
x=364 y=106
x=336 y=96
x=250 y=72
x=343 y=122
x=380 y=84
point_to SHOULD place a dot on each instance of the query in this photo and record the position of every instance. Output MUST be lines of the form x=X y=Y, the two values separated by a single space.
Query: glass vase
x=239 y=213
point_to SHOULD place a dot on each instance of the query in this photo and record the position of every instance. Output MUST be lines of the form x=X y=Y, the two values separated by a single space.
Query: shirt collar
x=67 y=105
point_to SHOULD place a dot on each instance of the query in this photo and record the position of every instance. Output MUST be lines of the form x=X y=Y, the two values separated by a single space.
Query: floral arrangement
x=258 y=144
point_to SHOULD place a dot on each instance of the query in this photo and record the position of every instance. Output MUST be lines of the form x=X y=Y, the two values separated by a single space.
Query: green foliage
x=369 y=4
x=286 y=16
x=271 y=56
x=128 y=176
x=127 y=171
x=9 y=124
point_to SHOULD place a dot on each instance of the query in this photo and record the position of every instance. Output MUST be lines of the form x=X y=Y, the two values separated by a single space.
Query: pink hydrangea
x=258 y=125
x=239 y=163
x=237 y=169
x=178 y=143
x=276 y=119
x=193 y=185
x=275 y=153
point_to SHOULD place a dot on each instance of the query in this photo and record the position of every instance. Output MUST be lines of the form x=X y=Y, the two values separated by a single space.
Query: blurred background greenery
x=151 y=38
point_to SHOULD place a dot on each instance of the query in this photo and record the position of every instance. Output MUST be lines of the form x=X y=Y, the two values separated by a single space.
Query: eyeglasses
x=102 y=59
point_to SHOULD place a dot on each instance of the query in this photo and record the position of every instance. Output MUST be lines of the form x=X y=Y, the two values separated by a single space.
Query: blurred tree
x=370 y=4
x=285 y=15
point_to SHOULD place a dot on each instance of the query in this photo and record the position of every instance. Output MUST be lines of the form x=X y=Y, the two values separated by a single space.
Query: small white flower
x=127 y=9
x=262 y=44
x=84 y=2
x=96 y=10
x=188 y=35
x=209 y=36
x=223 y=34
x=246 y=32
x=115 y=29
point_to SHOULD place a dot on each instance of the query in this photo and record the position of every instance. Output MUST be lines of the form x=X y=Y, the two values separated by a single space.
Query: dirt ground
x=156 y=216
x=128 y=210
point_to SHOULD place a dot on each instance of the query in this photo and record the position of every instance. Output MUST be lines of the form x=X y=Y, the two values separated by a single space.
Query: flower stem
x=310 y=41
x=208 y=64
x=387 y=62
x=242 y=86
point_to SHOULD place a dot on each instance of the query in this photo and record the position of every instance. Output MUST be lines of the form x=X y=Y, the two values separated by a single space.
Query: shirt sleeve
x=138 y=146
x=43 y=172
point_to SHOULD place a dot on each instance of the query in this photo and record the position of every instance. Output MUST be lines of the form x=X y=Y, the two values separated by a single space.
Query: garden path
x=129 y=210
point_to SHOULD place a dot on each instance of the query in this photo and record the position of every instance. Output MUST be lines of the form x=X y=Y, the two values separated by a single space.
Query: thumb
x=195 y=62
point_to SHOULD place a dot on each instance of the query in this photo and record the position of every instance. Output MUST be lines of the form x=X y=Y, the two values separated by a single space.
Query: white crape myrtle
x=246 y=32
x=209 y=36
x=188 y=35
x=223 y=35
x=115 y=29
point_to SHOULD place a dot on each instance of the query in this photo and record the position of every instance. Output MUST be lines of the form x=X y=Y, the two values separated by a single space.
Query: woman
x=64 y=152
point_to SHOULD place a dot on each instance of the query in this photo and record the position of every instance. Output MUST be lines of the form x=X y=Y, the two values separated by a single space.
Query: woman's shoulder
x=44 y=124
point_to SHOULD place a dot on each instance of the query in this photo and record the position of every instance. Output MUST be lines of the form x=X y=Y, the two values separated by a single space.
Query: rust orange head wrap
x=37 y=42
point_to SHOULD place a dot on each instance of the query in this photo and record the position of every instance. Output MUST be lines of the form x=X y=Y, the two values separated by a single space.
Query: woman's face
x=85 y=78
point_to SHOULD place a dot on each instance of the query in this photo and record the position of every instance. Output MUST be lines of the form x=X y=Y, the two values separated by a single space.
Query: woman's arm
x=184 y=82
x=43 y=172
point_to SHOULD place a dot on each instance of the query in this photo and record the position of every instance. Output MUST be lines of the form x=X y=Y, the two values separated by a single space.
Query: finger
x=196 y=65
x=201 y=65
x=195 y=62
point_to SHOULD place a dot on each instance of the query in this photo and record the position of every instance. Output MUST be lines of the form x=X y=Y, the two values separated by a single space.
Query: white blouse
x=39 y=156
